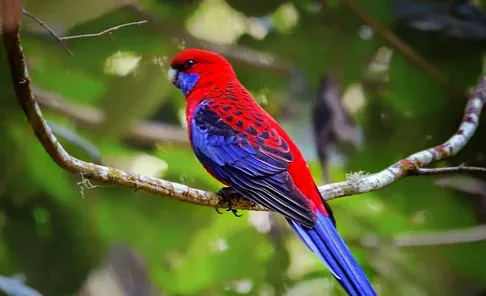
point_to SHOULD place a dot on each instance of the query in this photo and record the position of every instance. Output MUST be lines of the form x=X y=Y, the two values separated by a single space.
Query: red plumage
x=212 y=83
x=245 y=148
x=255 y=117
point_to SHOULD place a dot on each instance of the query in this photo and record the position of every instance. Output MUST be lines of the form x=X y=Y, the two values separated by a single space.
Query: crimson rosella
x=242 y=146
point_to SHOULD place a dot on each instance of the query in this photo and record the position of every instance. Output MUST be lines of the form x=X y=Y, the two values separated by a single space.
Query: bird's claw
x=235 y=212
x=228 y=194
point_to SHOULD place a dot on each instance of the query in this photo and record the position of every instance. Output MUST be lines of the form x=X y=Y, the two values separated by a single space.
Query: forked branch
x=355 y=185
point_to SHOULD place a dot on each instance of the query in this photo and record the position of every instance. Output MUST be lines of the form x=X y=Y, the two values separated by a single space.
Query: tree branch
x=360 y=184
x=43 y=25
x=356 y=185
x=61 y=39
x=105 y=31
x=237 y=53
x=88 y=170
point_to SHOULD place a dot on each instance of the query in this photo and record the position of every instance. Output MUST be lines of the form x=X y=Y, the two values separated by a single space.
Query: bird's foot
x=229 y=194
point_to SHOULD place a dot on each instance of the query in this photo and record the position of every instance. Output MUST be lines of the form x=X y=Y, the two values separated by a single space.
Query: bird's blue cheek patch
x=186 y=82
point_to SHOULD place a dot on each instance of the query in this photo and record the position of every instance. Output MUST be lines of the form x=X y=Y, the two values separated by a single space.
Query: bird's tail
x=325 y=241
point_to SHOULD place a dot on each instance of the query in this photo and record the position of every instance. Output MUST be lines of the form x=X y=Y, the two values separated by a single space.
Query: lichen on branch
x=412 y=165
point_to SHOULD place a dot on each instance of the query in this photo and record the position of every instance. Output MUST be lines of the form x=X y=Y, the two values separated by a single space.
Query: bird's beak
x=173 y=73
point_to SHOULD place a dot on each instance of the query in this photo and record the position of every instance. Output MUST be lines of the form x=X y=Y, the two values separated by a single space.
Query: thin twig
x=404 y=48
x=447 y=170
x=42 y=24
x=416 y=161
x=107 y=175
x=61 y=39
x=236 y=53
x=104 y=32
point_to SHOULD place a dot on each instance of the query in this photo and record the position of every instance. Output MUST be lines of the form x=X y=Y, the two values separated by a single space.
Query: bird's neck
x=209 y=88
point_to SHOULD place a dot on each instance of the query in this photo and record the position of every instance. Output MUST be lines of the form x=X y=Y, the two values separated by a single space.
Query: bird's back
x=236 y=107
x=244 y=147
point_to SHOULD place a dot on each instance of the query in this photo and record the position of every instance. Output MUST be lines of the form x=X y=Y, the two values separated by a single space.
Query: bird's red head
x=196 y=68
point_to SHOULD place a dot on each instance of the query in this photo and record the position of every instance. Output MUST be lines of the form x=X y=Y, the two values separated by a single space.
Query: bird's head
x=195 y=68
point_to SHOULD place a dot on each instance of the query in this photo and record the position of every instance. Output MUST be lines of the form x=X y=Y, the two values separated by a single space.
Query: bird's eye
x=188 y=64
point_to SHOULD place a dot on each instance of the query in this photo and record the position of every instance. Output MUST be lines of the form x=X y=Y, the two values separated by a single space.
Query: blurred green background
x=110 y=103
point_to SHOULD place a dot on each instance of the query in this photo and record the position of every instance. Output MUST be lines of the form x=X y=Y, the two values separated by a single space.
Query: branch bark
x=411 y=165
x=108 y=175
x=43 y=25
x=357 y=184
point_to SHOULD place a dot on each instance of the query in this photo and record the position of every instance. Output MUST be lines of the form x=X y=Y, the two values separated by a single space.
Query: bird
x=245 y=148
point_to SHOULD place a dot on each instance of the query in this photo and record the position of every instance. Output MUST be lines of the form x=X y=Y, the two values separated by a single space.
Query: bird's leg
x=229 y=194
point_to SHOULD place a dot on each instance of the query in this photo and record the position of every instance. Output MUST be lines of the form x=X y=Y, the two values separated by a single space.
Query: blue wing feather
x=325 y=241
x=258 y=172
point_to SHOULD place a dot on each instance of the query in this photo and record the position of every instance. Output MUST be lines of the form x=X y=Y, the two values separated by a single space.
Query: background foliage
x=58 y=231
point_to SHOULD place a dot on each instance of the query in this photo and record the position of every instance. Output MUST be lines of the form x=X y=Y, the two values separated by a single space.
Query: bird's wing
x=250 y=156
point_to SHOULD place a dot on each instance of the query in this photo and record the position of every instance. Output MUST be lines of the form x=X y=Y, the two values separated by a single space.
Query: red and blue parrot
x=242 y=146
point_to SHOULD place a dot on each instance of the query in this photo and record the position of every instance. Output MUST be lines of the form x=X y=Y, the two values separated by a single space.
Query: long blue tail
x=325 y=241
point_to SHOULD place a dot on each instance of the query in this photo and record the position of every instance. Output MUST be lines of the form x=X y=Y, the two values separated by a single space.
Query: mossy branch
x=356 y=185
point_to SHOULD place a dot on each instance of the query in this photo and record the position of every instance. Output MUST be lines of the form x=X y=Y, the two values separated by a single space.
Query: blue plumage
x=186 y=82
x=244 y=147
x=258 y=172
x=325 y=241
